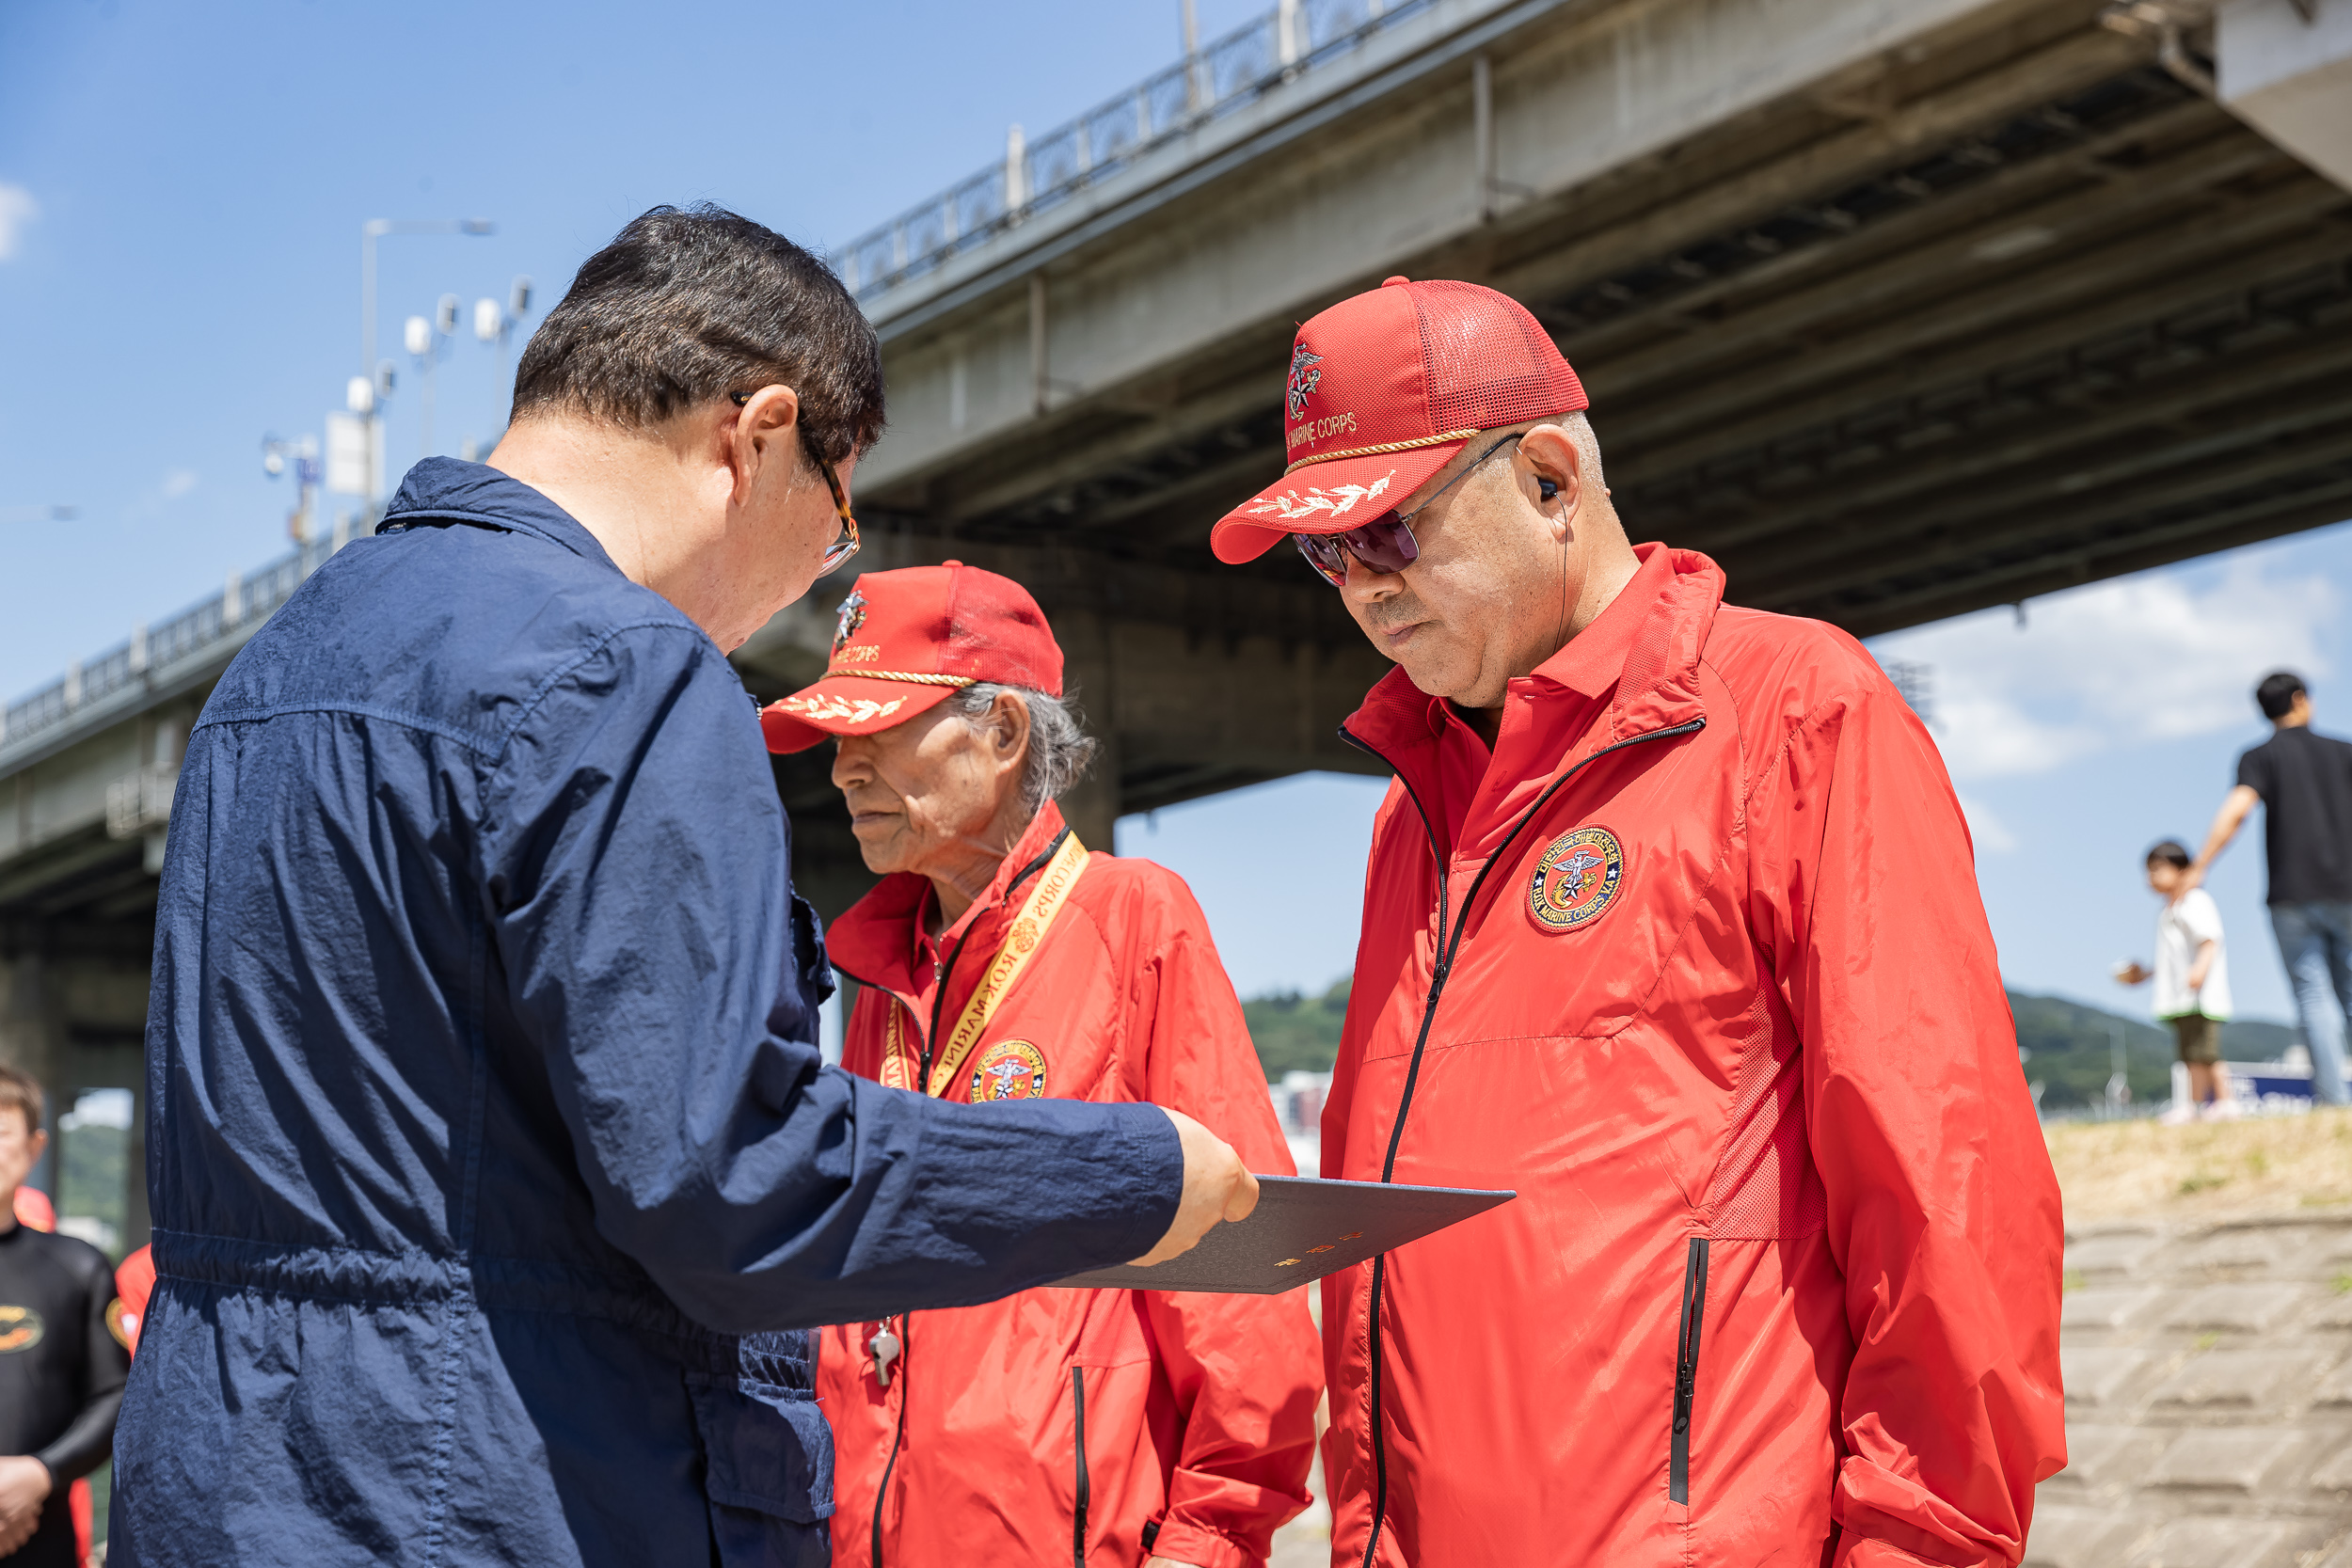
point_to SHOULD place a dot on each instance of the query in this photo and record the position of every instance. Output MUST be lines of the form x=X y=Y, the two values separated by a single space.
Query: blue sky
x=181 y=195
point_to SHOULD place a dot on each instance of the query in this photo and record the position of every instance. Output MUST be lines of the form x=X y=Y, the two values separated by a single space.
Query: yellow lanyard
x=1045 y=901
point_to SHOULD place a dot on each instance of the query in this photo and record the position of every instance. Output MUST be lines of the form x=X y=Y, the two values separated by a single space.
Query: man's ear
x=1557 y=467
x=1008 y=727
x=764 y=431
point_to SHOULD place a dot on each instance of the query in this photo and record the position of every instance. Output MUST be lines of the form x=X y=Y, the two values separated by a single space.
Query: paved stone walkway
x=2208 y=1399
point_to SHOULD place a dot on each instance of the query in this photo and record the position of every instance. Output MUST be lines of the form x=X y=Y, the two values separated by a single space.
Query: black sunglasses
x=1385 y=544
x=846 y=545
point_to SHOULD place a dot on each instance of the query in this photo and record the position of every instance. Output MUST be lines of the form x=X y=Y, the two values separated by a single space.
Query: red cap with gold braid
x=1383 y=389
x=906 y=642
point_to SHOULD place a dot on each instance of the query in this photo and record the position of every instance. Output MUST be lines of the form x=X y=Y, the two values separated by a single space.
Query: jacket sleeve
x=1943 y=1210
x=1247 y=1371
x=644 y=931
x=88 y=1438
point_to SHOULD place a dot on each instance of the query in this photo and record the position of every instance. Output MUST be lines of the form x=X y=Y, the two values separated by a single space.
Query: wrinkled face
x=1486 y=595
x=924 y=795
x=20 y=1150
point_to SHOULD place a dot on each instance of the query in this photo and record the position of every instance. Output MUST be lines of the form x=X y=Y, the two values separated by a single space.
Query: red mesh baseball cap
x=908 y=639
x=1384 y=388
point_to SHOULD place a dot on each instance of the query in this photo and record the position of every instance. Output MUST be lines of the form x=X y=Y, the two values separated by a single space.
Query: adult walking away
x=62 y=1356
x=1671 y=924
x=485 y=1116
x=999 y=961
x=2303 y=780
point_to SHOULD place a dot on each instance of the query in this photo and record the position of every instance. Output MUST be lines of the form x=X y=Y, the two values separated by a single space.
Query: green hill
x=2067 y=1045
x=1296 y=1033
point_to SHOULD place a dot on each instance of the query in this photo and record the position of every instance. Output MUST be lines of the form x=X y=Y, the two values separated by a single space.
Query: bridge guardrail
x=243 y=603
x=1034 y=177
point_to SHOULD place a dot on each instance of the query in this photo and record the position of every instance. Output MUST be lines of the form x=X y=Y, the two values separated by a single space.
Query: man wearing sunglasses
x=488 y=1118
x=1671 y=924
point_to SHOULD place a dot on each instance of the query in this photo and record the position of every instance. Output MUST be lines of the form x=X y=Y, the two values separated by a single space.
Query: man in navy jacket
x=485 y=1123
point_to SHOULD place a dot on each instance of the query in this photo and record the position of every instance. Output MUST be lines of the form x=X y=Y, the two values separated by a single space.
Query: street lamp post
x=304 y=453
x=371 y=231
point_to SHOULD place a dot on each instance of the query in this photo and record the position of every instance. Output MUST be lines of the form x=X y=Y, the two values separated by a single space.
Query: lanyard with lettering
x=1045 y=901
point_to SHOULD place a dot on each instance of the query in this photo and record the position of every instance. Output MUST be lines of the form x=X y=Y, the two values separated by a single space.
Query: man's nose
x=850 y=767
x=1366 y=586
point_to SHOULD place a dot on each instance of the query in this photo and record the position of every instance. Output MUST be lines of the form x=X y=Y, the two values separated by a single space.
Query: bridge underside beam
x=1993 y=314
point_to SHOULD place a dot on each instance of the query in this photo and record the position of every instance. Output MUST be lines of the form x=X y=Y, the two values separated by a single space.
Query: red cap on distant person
x=908 y=639
x=1384 y=388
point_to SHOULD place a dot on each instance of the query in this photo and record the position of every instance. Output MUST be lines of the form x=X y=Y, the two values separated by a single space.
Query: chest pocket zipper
x=1687 y=1368
x=1078 y=1514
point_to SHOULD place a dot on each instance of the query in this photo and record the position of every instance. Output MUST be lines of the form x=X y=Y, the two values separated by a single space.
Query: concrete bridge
x=1899 y=307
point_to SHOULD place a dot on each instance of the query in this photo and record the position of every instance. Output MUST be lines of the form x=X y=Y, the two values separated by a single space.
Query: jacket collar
x=442 y=489
x=1641 y=654
x=877 y=939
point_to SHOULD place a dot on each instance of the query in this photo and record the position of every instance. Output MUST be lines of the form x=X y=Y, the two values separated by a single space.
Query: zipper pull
x=885 y=1346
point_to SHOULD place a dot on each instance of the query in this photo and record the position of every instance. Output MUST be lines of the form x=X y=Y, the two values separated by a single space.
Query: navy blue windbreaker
x=483 y=1116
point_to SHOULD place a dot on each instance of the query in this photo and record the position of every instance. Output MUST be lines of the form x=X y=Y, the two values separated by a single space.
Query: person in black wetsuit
x=62 y=1360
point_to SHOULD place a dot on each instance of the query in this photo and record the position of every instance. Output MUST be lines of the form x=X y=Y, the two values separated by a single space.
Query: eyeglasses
x=846 y=546
x=1384 y=544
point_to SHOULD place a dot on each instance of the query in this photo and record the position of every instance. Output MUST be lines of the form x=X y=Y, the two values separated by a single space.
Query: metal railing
x=1037 y=175
x=243 y=604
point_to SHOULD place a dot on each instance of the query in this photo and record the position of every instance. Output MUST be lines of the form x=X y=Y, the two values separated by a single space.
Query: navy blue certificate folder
x=1302 y=1229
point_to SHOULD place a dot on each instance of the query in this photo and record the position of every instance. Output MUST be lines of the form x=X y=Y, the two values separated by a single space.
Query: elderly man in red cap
x=1671 y=924
x=999 y=960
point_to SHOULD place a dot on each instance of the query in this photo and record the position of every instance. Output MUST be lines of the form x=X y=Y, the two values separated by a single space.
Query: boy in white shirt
x=2192 y=978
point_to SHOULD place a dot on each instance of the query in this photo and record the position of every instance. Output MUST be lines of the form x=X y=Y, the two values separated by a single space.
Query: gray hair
x=1060 y=749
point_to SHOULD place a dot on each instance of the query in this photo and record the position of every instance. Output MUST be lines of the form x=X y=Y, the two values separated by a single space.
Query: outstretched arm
x=2235 y=807
x=647 y=937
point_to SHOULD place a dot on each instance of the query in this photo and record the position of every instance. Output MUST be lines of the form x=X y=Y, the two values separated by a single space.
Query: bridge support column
x=1091 y=669
x=32 y=1033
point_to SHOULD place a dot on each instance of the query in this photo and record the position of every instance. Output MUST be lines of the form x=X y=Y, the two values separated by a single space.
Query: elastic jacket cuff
x=1182 y=1542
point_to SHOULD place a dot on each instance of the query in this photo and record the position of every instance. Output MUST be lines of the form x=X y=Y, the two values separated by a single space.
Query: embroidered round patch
x=1010 y=1070
x=21 y=1329
x=1577 y=879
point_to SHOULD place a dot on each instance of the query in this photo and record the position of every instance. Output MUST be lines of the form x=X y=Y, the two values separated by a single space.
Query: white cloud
x=2150 y=657
x=17 y=210
x=179 y=482
x=1989 y=834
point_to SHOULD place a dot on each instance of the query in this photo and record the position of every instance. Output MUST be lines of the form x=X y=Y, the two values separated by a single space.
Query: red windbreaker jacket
x=1695 y=962
x=1059 y=1426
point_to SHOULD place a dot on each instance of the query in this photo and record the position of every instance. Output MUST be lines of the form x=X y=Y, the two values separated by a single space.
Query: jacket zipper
x=939 y=997
x=882 y=1493
x=906 y=1320
x=1078 y=1517
x=1444 y=966
x=1687 y=1368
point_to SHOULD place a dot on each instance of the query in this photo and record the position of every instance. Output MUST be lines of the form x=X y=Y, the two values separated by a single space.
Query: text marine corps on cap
x=1671 y=924
x=1000 y=962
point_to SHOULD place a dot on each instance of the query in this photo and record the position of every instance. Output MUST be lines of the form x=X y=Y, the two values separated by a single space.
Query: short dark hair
x=2278 y=692
x=690 y=305
x=2170 y=852
x=20 y=1091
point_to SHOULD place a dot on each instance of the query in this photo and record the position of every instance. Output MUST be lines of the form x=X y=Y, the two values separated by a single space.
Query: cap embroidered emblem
x=1010 y=1070
x=852 y=617
x=1304 y=379
x=850 y=710
x=1576 y=880
x=1336 y=502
